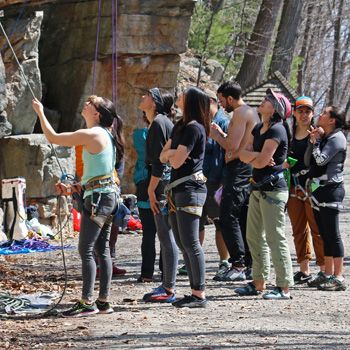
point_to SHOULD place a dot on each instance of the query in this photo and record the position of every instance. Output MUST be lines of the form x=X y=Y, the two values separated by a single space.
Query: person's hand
x=315 y=133
x=153 y=202
x=271 y=162
x=38 y=107
x=63 y=189
x=286 y=165
x=215 y=131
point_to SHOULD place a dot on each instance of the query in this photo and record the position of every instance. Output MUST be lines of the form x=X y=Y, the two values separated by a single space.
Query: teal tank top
x=100 y=164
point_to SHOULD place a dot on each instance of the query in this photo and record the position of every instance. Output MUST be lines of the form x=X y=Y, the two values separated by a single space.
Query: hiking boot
x=301 y=277
x=159 y=295
x=234 y=274
x=315 y=281
x=190 y=301
x=277 y=294
x=332 y=284
x=182 y=271
x=224 y=266
x=104 y=307
x=80 y=309
x=247 y=290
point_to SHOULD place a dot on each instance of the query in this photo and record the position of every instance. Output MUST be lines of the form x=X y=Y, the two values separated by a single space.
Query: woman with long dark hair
x=187 y=191
x=157 y=105
x=101 y=148
x=326 y=156
x=267 y=152
x=299 y=208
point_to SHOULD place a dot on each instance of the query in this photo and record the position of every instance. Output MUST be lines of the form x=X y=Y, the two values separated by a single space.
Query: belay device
x=13 y=197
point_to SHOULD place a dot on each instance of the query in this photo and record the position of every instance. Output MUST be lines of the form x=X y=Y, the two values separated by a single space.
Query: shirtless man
x=235 y=195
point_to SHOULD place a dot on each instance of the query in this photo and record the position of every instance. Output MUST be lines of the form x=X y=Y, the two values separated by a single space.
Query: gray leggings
x=186 y=231
x=169 y=250
x=94 y=236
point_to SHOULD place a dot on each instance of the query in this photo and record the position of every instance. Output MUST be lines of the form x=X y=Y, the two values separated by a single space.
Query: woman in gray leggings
x=157 y=106
x=102 y=147
x=187 y=191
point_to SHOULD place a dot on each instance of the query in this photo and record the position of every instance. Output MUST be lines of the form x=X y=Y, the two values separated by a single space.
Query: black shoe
x=315 y=281
x=190 y=301
x=301 y=277
x=104 y=307
x=332 y=284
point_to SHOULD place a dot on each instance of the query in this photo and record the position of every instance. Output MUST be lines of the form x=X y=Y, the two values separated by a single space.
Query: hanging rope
x=96 y=48
x=113 y=53
x=17 y=61
x=116 y=55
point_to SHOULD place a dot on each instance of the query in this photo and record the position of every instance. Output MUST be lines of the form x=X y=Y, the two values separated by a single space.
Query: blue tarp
x=29 y=246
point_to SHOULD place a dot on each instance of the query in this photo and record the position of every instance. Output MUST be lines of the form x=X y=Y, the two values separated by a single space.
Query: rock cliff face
x=151 y=34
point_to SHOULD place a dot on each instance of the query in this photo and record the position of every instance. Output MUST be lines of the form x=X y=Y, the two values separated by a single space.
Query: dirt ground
x=311 y=320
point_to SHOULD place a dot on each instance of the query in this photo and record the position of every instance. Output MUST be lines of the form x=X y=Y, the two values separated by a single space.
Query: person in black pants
x=326 y=154
x=236 y=187
x=157 y=105
x=187 y=191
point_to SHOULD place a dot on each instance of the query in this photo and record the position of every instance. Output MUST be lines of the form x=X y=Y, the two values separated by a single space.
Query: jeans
x=328 y=219
x=233 y=218
x=94 y=236
x=186 y=231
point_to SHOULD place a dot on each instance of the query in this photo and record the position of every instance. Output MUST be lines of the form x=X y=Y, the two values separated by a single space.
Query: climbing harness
x=191 y=209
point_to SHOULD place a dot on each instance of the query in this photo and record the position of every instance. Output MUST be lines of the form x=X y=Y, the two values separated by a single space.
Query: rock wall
x=151 y=35
x=31 y=157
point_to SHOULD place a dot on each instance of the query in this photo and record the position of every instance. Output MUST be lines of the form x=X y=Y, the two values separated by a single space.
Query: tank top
x=100 y=164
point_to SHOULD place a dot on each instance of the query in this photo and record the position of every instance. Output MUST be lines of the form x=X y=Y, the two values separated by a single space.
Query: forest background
x=306 y=40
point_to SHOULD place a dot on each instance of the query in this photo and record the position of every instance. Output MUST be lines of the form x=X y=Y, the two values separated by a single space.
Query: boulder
x=25 y=42
x=32 y=157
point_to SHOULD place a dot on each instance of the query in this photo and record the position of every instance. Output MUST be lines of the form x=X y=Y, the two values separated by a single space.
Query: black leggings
x=327 y=219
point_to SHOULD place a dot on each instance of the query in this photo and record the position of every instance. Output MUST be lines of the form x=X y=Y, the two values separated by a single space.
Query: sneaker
x=190 y=301
x=234 y=274
x=301 y=277
x=224 y=266
x=332 y=284
x=104 y=307
x=277 y=294
x=315 y=281
x=159 y=295
x=247 y=290
x=182 y=271
x=80 y=309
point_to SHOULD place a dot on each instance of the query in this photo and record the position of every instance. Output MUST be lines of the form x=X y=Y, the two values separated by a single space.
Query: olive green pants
x=265 y=233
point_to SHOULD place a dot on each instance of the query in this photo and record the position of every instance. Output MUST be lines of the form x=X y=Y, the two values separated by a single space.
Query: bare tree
x=286 y=40
x=252 y=68
x=303 y=53
x=336 y=51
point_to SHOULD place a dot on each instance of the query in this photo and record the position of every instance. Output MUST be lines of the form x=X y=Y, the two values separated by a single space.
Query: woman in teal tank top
x=103 y=150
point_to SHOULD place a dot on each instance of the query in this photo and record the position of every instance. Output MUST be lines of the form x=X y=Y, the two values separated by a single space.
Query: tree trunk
x=286 y=40
x=252 y=68
x=304 y=46
x=336 y=52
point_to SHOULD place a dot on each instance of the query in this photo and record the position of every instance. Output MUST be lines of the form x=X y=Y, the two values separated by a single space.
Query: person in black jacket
x=326 y=156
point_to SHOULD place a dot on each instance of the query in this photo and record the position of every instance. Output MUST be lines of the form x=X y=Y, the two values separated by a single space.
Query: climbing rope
x=96 y=47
